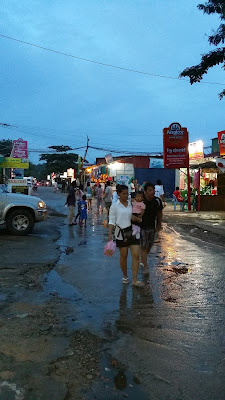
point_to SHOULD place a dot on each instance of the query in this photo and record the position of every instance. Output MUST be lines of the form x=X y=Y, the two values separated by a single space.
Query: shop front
x=206 y=184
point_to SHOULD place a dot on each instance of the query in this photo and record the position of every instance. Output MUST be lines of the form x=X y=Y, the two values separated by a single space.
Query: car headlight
x=41 y=204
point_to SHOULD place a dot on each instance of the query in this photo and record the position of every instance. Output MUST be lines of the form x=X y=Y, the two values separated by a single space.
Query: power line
x=104 y=64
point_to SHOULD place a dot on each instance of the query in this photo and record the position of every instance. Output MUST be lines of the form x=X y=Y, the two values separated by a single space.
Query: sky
x=51 y=99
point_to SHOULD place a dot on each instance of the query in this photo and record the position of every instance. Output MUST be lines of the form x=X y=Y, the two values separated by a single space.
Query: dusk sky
x=52 y=99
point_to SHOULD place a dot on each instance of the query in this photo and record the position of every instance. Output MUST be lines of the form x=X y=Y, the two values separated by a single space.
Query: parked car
x=20 y=212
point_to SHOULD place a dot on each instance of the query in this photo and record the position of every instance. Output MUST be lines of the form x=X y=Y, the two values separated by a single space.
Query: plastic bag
x=110 y=248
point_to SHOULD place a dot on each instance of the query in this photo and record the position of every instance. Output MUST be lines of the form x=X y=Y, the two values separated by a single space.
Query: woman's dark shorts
x=127 y=243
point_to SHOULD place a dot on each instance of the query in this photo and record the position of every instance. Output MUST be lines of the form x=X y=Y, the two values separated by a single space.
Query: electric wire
x=105 y=64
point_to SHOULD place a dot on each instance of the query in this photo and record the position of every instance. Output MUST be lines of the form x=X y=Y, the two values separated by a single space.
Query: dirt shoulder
x=211 y=230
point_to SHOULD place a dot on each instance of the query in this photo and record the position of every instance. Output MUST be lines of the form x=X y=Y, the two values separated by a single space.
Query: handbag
x=127 y=233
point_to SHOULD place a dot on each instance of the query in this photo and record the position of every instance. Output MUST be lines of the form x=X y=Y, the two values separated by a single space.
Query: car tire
x=20 y=222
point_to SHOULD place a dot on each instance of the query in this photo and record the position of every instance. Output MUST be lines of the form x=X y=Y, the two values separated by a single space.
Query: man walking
x=108 y=196
x=71 y=202
x=151 y=223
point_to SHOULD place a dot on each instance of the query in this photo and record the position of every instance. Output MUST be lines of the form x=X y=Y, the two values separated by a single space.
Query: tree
x=59 y=163
x=60 y=149
x=215 y=57
x=5 y=147
x=37 y=170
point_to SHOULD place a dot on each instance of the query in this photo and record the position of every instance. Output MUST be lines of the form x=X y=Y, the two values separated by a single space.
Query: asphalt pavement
x=165 y=341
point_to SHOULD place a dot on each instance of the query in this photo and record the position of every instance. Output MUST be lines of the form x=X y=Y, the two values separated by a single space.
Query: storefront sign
x=70 y=173
x=108 y=158
x=175 y=146
x=15 y=163
x=196 y=150
x=221 y=140
x=155 y=162
x=19 y=149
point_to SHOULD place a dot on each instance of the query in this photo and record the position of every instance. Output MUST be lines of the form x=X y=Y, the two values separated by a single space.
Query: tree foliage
x=37 y=170
x=60 y=149
x=5 y=147
x=60 y=162
x=215 y=57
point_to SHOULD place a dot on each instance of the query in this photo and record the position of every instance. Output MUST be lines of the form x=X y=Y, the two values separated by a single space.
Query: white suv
x=20 y=212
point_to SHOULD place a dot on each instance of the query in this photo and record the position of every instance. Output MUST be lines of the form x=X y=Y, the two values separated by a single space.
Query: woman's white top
x=120 y=217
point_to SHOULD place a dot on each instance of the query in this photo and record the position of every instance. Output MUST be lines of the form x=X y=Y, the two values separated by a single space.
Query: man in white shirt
x=108 y=196
x=159 y=192
x=115 y=197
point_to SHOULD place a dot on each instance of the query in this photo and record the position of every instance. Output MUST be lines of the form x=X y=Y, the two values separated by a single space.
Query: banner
x=221 y=140
x=196 y=150
x=19 y=149
x=175 y=147
x=15 y=163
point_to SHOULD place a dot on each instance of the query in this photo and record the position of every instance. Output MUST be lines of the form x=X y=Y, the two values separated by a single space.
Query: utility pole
x=85 y=154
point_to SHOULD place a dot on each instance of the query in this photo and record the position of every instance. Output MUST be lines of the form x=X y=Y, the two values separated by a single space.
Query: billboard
x=19 y=149
x=15 y=163
x=196 y=150
x=175 y=146
x=221 y=140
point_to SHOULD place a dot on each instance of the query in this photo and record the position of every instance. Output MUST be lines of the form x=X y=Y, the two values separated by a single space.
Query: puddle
x=115 y=383
x=3 y=296
x=55 y=285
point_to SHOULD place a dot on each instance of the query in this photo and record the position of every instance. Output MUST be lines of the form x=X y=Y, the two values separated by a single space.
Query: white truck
x=19 y=212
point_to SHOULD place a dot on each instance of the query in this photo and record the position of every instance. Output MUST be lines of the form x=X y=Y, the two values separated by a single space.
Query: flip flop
x=125 y=280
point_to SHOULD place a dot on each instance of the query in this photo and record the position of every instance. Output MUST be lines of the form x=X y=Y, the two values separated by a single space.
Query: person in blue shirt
x=83 y=210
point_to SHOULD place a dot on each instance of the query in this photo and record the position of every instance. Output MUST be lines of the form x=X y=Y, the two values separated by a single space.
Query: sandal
x=138 y=284
x=125 y=280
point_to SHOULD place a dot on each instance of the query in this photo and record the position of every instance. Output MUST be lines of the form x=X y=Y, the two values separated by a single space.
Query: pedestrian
x=108 y=196
x=120 y=218
x=71 y=203
x=63 y=186
x=89 y=195
x=151 y=223
x=132 y=188
x=115 y=197
x=99 y=195
x=136 y=185
x=79 y=194
x=55 y=186
x=159 y=191
x=83 y=210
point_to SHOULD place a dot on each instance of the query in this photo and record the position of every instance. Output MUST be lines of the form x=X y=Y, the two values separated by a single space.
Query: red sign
x=221 y=140
x=19 y=149
x=175 y=146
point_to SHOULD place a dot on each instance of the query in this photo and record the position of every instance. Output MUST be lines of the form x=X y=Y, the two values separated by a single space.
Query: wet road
x=169 y=336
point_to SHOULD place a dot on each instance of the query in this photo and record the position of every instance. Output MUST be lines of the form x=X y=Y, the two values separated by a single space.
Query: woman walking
x=120 y=217
x=89 y=196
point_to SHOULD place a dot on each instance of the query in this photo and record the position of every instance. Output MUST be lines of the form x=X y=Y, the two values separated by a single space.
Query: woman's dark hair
x=88 y=184
x=84 y=197
x=159 y=182
x=121 y=188
x=177 y=187
x=148 y=184
x=108 y=183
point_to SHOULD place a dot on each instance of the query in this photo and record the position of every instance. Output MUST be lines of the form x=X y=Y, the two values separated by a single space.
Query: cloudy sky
x=53 y=99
